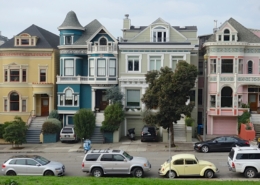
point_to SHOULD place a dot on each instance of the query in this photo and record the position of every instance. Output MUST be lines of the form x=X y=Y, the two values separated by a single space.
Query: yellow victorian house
x=29 y=65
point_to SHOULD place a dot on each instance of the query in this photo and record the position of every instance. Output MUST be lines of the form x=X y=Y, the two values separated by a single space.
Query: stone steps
x=34 y=131
x=97 y=137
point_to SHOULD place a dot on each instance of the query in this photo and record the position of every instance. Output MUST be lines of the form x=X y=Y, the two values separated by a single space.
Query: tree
x=54 y=114
x=168 y=92
x=114 y=115
x=15 y=132
x=114 y=95
x=84 y=121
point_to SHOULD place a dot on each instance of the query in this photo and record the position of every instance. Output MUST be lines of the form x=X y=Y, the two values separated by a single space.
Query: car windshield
x=231 y=154
x=42 y=160
x=128 y=156
x=196 y=159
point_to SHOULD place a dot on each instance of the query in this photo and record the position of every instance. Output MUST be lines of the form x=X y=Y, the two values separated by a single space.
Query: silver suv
x=100 y=162
x=67 y=133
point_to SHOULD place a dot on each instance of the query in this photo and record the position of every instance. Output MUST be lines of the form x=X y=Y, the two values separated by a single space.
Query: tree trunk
x=172 y=135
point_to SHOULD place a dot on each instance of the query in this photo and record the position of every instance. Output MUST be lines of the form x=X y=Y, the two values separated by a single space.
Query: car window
x=127 y=156
x=145 y=129
x=92 y=157
x=242 y=156
x=20 y=162
x=231 y=154
x=12 y=161
x=67 y=130
x=42 y=160
x=151 y=130
x=107 y=157
x=220 y=139
x=118 y=157
x=178 y=162
x=230 y=139
x=190 y=161
x=31 y=162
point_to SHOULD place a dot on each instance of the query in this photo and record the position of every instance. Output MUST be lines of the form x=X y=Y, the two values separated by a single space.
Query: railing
x=103 y=48
x=240 y=78
x=85 y=79
x=30 y=118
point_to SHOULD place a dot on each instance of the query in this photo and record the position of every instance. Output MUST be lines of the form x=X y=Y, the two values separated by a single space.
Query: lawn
x=39 y=180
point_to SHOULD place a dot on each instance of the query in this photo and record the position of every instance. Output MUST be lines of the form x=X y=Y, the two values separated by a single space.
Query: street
x=73 y=160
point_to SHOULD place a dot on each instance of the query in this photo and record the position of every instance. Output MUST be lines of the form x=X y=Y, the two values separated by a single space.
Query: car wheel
x=97 y=172
x=142 y=140
x=205 y=149
x=171 y=174
x=209 y=174
x=138 y=172
x=48 y=173
x=250 y=173
x=11 y=173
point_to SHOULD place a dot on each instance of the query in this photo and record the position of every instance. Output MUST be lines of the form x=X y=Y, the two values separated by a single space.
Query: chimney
x=127 y=22
x=215 y=29
x=0 y=33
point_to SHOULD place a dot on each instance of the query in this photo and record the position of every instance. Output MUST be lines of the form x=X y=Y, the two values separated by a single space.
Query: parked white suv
x=100 y=162
x=67 y=133
x=245 y=160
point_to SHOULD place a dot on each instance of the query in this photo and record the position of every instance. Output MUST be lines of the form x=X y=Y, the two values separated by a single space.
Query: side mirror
x=125 y=160
x=215 y=141
x=38 y=165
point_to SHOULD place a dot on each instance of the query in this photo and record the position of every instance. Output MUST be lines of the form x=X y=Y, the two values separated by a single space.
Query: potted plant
x=189 y=122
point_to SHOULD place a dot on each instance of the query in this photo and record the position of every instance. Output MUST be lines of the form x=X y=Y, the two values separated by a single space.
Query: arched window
x=103 y=41
x=226 y=35
x=250 y=67
x=226 y=97
x=14 y=101
x=68 y=97
x=159 y=34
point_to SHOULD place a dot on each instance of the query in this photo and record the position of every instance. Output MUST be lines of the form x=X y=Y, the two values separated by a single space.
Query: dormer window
x=226 y=35
x=25 y=39
x=68 y=40
x=103 y=41
x=160 y=34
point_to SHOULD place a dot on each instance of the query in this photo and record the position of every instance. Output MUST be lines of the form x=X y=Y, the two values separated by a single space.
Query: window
x=200 y=67
x=220 y=139
x=155 y=63
x=69 y=67
x=133 y=98
x=227 y=66
x=117 y=157
x=106 y=157
x=14 y=102
x=68 y=40
x=190 y=161
x=213 y=66
x=92 y=157
x=212 y=100
x=178 y=162
x=75 y=100
x=233 y=37
x=61 y=99
x=24 y=75
x=68 y=97
x=159 y=34
x=200 y=96
x=101 y=67
x=91 y=67
x=31 y=162
x=21 y=161
x=5 y=73
x=14 y=75
x=133 y=63
x=23 y=105
x=240 y=66
x=112 y=67
x=226 y=97
x=42 y=75
x=192 y=95
x=199 y=118
x=175 y=60
x=25 y=41
x=5 y=105
x=219 y=38
x=103 y=41
x=231 y=139
x=250 y=67
x=226 y=35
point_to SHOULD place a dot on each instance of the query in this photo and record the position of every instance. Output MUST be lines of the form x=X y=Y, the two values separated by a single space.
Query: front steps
x=97 y=137
x=34 y=131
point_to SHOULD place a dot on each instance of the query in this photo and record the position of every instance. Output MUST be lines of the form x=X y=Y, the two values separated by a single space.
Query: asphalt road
x=73 y=160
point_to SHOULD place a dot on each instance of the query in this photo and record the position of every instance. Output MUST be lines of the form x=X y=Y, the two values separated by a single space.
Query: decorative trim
x=82 y=51
x=38 y=54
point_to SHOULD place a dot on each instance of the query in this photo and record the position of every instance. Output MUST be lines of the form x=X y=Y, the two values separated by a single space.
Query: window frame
x=73 y=67
x=92 y=61
x=154 y=57
x=177 y=57
x=226 y=66
x=104 y=67
x=62 y=98
x=45 y=75
x=226 y=98
x=240 y=66
x=14 y=101
x=250 y=68
x=109 y=67
x=133 y=106
x=213 y=66
x=137 y=56
x=164 y=33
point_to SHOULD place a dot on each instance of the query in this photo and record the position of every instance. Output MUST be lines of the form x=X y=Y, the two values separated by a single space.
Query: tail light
x=3 y=166
x=74 y=135
x=82 y=165
x=233 y=165
x=247 y=143
x=142 y=133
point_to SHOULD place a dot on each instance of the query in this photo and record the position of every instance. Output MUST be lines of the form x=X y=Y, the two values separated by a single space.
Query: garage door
x=225 y=125
x=137 y=124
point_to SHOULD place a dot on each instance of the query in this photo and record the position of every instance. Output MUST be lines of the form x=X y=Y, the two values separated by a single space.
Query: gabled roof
x=90 y=29
x=244 y=34
x=46 y=39
x=160 y=20
x=71 y=22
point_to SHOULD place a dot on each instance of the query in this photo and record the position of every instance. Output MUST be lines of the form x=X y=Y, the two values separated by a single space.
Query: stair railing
x=30 y=118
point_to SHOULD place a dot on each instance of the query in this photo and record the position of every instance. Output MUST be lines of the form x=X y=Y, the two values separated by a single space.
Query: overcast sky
x=15 y=15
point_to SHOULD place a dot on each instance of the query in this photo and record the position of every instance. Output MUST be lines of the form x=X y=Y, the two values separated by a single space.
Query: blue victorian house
x=88 y=66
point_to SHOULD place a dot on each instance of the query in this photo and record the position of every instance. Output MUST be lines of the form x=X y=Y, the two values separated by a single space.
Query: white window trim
x=20 y=67
x=232 y=65
x=68 y=34
x=63 y=64
x=154 y=55
x=252 y=67
x=106 y=66
x=98 y=42
x=63 y=98
x=140 y=105
x=171 y=55
x=166 y=29
x=26 y=104
x=39 y=72
x=140 y=62
x=108 y=74
x=7 y=104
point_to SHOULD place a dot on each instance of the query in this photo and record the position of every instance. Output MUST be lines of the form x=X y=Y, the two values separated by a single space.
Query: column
x=93 y=99
x=50 y=103
x=34 y=105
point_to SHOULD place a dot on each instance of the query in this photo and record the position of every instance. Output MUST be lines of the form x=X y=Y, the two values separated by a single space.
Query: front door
x=45 y=107
x=252 y=100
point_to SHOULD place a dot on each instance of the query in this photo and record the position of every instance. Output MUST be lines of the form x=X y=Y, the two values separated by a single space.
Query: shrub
x=54 y=114
x=248 y=127
x=243 y=118
x=189 y=121
x=55 y=121
x=2 y=128
x=50 y=128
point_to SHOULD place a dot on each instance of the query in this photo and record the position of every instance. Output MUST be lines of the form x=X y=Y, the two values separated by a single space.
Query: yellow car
x=187 y=165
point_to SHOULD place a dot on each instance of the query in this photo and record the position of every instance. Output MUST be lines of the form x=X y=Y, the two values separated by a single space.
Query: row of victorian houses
x=42 y=71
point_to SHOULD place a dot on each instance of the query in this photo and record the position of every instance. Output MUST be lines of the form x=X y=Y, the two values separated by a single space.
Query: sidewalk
x=127 y=145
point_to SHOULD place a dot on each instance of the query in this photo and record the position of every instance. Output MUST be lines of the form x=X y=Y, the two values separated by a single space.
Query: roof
x=46 y=39
x=71 y=22
x=179 y=28
x=3 y=38
x=183 y=156
x=90 y=29
x=244 y=34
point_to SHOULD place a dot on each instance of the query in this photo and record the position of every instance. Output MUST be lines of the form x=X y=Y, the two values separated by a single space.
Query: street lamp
x=205 y=97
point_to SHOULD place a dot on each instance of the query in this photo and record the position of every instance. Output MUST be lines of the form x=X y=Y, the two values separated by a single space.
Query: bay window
x=91 y=67
x=69 y=67
x=112 y=67
x=101 y=67
x=133 y=98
